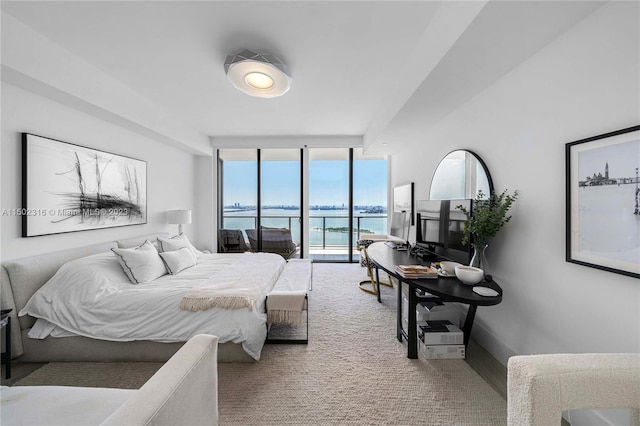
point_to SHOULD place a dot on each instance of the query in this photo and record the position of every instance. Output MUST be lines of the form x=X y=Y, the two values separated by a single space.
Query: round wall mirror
x=461 y=174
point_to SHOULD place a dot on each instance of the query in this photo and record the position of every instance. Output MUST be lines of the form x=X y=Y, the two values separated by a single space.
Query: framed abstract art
x=68 y=188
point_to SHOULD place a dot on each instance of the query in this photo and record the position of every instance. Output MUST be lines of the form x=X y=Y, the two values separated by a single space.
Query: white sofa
x=540 y=387
x=183 y=392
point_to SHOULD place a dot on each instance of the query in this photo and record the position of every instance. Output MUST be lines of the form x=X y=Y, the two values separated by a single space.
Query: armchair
x=274 y=240
x=231 y=241
x=540 y=387
x=183 y=391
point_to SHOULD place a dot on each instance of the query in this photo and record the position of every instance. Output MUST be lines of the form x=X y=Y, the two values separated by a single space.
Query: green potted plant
x=489 y=216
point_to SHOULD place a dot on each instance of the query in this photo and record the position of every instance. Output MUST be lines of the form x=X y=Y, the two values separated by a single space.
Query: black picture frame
x=602 y=197
x=69 y=188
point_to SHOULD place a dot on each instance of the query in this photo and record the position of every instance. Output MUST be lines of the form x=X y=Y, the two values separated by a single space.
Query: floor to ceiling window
x=261 y=192
x=280 y=201
x=329 y=204
x=260 y=201
x=238 y=197
x=369 y=195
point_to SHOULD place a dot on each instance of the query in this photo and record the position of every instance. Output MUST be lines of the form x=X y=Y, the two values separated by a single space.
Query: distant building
x=598 y=179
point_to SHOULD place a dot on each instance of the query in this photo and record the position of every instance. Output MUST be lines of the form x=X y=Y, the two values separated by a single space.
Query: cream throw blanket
x=232 y=294
x=238 y=286
x=287 y=300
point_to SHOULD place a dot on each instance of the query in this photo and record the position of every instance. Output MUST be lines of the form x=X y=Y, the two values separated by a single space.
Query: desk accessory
x=485 y=291
x=469 y=274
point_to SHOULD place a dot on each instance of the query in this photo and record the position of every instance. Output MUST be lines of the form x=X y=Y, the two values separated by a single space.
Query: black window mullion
x=259 y=201
x=350 y=250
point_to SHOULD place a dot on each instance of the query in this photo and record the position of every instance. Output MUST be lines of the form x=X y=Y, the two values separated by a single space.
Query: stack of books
x=416 y=271
x=440 y=339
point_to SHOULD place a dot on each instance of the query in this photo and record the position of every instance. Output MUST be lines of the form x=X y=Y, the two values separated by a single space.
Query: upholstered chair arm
x=540 y=387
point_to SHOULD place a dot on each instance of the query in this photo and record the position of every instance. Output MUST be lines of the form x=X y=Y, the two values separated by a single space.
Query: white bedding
x=93 y=297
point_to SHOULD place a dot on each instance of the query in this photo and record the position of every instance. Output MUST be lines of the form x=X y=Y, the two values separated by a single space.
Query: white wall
x=204 y=217
x=170 y=171
x=583 y=84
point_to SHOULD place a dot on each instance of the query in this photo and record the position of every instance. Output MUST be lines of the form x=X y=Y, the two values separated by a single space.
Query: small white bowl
x=449 y=267
x=469 y=274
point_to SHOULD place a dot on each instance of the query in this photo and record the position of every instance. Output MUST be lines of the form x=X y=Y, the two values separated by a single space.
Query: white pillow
x=141 y=264
x=178 y=260
x=175 y=243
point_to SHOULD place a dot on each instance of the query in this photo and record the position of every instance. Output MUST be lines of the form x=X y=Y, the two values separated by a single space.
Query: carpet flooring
x=353 y=371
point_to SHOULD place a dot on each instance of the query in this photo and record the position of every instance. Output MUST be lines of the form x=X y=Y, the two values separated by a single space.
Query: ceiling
x=359 y=68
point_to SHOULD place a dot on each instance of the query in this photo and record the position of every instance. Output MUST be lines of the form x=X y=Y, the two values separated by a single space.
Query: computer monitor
x=440 y=229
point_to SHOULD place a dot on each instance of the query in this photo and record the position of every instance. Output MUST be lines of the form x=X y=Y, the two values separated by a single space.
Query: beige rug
x=353 y=371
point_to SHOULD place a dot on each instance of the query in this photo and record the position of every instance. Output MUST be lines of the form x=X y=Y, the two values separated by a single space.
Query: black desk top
x=449 y=289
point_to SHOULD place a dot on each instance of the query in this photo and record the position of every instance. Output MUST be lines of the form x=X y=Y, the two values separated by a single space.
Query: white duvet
x=92 y=297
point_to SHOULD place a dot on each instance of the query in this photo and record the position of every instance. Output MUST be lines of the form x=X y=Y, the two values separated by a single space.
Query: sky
x=328 y=182
x=623 y=159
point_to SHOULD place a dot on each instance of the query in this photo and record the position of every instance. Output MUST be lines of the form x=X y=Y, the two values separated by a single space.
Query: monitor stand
x=425 y=254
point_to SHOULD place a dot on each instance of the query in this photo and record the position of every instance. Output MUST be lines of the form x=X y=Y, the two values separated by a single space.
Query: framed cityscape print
x=603 y=196
x=68 y=188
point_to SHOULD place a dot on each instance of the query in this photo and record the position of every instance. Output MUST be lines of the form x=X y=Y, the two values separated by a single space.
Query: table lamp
x=179 y=217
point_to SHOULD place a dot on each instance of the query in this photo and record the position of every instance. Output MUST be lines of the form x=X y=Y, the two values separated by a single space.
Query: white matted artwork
x=403 y=200
x=603 y=196
x=68 y=188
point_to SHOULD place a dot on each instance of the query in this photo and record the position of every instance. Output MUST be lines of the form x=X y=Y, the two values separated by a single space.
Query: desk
x=448 y=289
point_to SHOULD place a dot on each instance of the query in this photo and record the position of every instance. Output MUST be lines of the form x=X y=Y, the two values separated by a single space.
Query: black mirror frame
x=477 y=157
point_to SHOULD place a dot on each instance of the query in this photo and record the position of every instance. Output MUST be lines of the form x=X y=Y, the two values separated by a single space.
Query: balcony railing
x=317 y=223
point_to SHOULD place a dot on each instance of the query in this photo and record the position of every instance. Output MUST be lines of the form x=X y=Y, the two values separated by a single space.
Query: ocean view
x=335 y=223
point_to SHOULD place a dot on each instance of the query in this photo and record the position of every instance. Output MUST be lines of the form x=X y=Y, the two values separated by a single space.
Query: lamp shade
x=179 y=217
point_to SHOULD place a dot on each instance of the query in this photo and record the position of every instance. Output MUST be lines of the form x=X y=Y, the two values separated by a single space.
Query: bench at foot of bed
x=289 y=298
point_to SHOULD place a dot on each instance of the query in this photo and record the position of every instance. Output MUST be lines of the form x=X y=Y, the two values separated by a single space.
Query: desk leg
x=412 y=332
x=399 y=313
x=377 y=284
x=468 y=323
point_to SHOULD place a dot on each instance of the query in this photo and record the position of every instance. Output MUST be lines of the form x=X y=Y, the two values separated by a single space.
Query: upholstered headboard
x=20 y=278
x=23 y=277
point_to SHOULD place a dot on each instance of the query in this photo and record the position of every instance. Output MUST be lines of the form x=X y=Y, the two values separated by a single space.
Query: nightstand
x=5 y=323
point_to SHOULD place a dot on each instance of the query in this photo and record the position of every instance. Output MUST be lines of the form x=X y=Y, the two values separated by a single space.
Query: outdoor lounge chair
x=274 y=240
x=231 y=241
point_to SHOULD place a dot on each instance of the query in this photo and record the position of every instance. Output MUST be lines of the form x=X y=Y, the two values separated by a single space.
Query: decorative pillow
x=178 y=260
x=141 y=264
x=175 y=243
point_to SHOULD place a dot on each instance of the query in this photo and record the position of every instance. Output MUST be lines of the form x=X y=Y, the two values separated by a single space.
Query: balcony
x=328 y=234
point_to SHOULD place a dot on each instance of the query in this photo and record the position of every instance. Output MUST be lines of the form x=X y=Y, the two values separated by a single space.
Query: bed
x=86 y=309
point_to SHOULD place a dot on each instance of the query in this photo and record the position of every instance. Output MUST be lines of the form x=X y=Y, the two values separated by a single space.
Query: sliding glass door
x=280 y=191
x=329 y=204
x=369 y=196
x=260 y=201
x=238 y=198
x=260 y=195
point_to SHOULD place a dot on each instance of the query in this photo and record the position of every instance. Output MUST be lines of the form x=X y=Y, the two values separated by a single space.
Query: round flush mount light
x=257 y=74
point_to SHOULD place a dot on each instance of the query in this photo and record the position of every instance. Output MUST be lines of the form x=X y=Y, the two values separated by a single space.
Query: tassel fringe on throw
x=201 y=302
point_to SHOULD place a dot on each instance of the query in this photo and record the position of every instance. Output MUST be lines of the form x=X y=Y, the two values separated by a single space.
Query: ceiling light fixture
x=257 y=74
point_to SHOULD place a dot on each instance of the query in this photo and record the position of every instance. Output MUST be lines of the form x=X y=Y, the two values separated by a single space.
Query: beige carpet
x=353 y=371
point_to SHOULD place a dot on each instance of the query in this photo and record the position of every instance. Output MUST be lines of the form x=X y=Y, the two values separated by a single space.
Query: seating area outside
x=231 y=241
x=274 y=240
